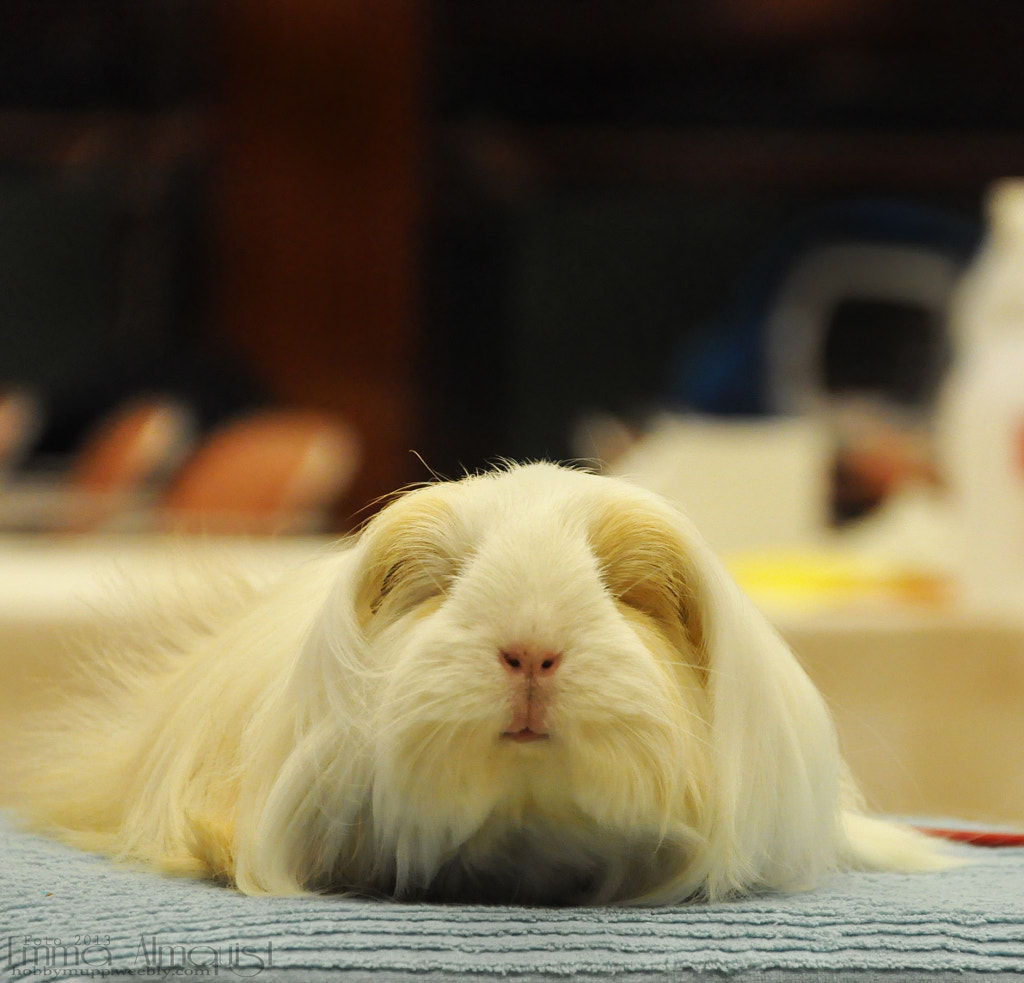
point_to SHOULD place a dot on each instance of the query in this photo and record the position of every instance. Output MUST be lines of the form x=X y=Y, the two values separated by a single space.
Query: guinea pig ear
x=406 y=556
x=374 y=582
x=774 y=798
x=645 y=564
x=378 y=579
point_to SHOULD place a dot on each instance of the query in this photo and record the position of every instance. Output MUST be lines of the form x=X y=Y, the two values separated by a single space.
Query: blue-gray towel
x=68 y=915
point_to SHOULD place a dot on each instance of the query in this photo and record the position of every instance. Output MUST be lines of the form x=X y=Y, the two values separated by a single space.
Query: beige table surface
x=929 y=707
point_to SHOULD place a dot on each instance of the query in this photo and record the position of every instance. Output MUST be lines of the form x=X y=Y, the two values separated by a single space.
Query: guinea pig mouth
x=525 y=735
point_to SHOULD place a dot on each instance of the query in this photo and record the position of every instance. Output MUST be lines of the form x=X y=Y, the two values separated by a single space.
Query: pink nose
x=522 y=660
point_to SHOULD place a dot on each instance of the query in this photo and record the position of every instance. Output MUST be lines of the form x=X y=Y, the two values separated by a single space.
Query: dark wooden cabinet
x=317 y=205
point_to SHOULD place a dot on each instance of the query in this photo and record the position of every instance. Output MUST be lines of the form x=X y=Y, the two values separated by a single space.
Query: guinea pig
x=533 y=685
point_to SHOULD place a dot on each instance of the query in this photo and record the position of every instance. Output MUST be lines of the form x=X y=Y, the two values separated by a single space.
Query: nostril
x=530 y=662
x=512 y=661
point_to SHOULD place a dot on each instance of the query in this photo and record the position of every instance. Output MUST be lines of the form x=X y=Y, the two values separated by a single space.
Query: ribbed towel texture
x=68 y=915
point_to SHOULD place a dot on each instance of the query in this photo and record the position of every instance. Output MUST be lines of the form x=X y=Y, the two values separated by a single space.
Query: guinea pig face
x=541 y=667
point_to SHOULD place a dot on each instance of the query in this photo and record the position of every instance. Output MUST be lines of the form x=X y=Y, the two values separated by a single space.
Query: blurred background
x=475 y=228
x=264 y=262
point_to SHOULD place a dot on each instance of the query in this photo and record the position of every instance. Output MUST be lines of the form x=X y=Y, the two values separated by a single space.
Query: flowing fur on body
x=533 y=685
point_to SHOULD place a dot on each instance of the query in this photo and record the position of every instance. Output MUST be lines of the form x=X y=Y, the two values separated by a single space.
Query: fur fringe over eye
x=535 y=685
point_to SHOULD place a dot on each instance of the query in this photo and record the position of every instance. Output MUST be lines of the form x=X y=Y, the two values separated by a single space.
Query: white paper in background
x=747 y=484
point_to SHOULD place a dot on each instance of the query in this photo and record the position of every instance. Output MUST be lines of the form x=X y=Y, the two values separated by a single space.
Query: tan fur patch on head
x=645 y=564
x=408 y=562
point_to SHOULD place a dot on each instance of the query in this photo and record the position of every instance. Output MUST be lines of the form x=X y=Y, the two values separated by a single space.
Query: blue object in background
x=724 y=371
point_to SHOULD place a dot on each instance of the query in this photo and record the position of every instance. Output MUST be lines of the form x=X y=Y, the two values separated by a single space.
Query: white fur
x=347 y=729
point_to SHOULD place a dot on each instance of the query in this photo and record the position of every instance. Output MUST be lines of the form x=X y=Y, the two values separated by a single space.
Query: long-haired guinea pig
x=535 y=685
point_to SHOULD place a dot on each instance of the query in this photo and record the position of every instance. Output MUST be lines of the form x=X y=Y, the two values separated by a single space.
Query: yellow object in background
x=814 y=579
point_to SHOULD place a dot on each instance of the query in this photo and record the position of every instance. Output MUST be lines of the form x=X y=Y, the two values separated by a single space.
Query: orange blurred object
x=134 y=445
x=20 y=421
x=274 y=471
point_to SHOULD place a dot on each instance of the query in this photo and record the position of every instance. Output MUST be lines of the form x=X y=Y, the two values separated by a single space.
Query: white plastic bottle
x=980 y=420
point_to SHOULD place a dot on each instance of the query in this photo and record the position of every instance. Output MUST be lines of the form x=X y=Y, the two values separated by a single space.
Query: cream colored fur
x=350 y=727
